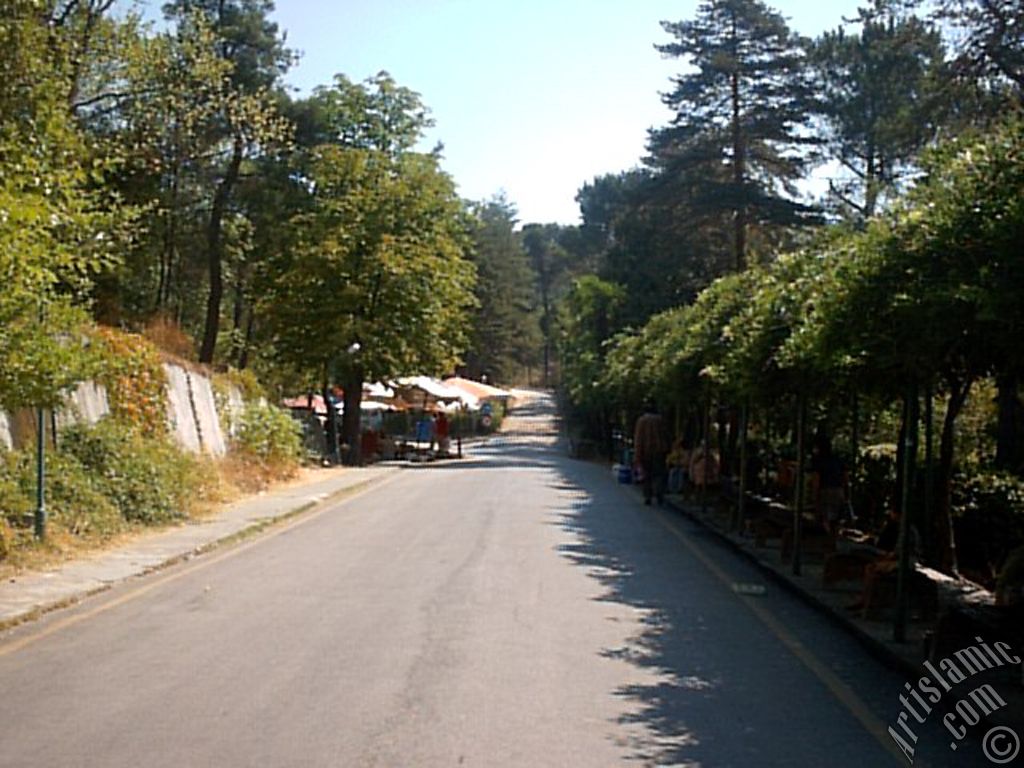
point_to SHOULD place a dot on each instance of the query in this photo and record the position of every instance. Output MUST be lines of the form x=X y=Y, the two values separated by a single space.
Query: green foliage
x=191 y=110
x=15 y=490
x=989 y=37
x=378 y=115
x=147 y=479
x=874 y=485
x=989 y=510
x=76 y=499
x=103 y=478
x=589 y=318
x=59 y=228
x=379 y=257
x=269 y=435
x=740 y=111
x=651 y=240
x=556 y=254
x=131 y=370
x=883 y=95
x=506 y=335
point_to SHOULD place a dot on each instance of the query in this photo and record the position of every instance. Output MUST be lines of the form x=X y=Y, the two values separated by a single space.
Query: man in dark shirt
x=651 y=446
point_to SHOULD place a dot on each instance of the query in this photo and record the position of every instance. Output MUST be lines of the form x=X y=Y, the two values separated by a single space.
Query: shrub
x=15 y=498
x=165 y=334
x=74 y=503
x=269 y=435
x=132 y=373
x=147 y=479
x=989 y=516
x=875 y=483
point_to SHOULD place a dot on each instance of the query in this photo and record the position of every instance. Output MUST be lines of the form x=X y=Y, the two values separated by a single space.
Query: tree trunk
x=738 y=163
x=1007 y=444
x=350 y=421
x=215 y=252
x=944 y=538
x=243 y=354
x=871 y=183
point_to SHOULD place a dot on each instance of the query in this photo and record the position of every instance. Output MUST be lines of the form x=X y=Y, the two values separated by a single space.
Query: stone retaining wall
x=191 y=413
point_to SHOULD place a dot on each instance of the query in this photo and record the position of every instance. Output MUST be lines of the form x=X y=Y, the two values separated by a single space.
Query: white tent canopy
x=437 y=390
x=378 y=390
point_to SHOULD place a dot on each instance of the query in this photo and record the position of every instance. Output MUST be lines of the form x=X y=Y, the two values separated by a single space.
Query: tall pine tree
x=506 y=334
x=739 y=138
x=884 y=95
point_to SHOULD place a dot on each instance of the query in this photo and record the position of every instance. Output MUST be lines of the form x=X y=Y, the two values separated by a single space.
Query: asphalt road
x=517 y=608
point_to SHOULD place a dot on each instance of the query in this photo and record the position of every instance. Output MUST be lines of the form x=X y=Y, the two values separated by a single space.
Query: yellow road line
x=826 y=676
x=200 y=564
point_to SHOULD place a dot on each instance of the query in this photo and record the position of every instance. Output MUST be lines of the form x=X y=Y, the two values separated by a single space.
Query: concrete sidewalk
x=31 y=594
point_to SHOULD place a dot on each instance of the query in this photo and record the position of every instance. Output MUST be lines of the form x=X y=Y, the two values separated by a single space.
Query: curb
x=252 y=528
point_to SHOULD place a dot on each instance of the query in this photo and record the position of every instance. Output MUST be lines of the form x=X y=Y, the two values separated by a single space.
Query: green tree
x=506 y=334
x=376 y=282
x=655 y=245
x=990 y=43
x=589 y=317
x=883 y=96
x=549 y=247
x=738 y=142
x=248 y=122
x=160 y=107
x=58 y=229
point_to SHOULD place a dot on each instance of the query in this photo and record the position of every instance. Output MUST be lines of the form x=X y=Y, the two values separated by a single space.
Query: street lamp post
x=350 y=421
x=40 y=513
x=332 y=415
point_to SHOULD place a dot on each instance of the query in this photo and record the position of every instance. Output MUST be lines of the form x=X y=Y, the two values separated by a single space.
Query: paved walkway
x=30 y=594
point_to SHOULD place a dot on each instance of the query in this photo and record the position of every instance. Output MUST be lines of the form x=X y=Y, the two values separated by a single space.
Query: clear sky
x=533 y=97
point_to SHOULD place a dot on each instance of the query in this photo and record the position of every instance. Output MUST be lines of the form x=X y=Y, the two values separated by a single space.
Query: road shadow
x=717 y=692
x=618 y=555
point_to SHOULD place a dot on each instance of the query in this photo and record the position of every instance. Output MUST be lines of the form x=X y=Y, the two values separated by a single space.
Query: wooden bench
x=881 y=584
x=766 y=518
x=847 y=566
x=815 y=539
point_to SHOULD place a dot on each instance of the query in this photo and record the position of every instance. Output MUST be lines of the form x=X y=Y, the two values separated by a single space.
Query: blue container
x=625 y=475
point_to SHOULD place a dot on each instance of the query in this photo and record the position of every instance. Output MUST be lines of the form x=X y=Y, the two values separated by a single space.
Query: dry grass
x=243 y=475
x=233 y=479
x=61 y=546
x=167 y=336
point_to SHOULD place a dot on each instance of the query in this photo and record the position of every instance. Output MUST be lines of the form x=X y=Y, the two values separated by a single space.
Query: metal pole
x=707 y=451
x=40 y=515
x=911 y=410
x=741 y=502
x=855 y=445
x=458 y=433
x=929 y=470
x=798 y=511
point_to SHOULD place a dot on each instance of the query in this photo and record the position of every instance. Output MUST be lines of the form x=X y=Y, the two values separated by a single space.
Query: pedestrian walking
x=651 y=446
